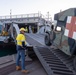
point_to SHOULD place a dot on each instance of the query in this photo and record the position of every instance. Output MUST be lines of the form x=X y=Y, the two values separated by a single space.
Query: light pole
x=10 y=13
x=48 y=16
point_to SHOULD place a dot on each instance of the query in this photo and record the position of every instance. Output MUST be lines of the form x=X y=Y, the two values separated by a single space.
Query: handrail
x=21 y=16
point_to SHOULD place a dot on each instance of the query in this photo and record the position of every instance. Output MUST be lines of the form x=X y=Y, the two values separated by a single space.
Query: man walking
x=21 y=47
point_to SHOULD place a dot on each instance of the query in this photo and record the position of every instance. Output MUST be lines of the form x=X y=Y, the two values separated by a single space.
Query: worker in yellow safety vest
x=21 y=47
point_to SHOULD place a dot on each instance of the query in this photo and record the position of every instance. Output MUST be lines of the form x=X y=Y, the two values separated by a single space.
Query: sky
x=34 y=6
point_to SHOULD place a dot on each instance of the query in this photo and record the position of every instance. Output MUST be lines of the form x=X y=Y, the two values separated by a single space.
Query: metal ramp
x=52 y=64
x=53 y=61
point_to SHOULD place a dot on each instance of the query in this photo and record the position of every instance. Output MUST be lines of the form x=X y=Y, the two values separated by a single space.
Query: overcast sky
x=34 y=6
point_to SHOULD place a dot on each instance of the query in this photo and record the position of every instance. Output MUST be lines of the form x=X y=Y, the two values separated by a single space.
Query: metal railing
x=22 y=16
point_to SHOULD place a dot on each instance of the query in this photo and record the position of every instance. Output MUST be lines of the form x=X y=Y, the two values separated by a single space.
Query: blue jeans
x=21 y=54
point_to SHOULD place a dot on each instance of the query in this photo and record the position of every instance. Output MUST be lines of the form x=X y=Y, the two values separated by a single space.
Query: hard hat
x=22 y=29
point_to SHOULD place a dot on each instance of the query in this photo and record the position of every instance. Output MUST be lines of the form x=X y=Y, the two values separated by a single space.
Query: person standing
x=21 y=47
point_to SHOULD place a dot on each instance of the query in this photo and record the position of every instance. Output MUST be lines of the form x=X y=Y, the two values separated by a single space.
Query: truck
x=8 y=33
x=63 y=35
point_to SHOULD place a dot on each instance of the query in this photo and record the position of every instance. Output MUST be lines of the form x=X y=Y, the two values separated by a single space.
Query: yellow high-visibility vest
x=20 y=38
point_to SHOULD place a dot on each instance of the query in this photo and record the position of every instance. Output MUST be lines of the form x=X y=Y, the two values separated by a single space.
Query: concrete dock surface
x=34 y=66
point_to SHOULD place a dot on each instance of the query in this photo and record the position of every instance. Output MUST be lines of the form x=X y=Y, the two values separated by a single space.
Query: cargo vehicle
x=63 y=36
x=7 y=39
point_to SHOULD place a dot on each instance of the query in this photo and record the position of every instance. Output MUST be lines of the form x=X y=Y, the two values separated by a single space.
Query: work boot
x=25 y=71
x=18 y=68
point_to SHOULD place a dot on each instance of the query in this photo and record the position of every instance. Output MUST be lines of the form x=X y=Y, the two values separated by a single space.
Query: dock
x=48 y=62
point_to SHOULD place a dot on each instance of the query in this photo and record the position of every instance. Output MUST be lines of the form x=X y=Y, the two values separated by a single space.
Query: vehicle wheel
x=75 y=62
x=47 y=39
x=52 y=36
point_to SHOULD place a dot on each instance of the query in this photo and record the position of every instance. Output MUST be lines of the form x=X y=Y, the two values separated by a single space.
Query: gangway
x=53 y=62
